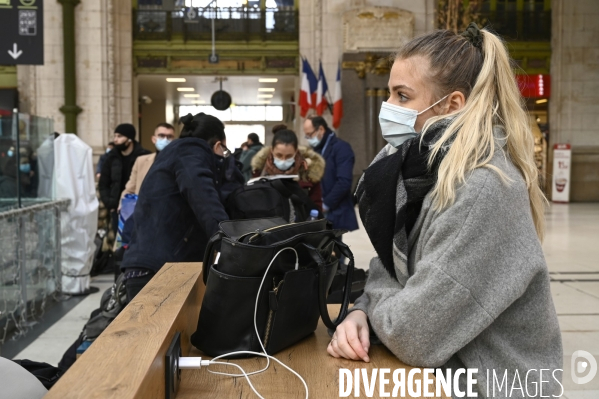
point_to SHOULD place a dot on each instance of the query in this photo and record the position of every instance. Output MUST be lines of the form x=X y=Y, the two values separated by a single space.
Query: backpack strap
x=323 y=286
x=209 y=253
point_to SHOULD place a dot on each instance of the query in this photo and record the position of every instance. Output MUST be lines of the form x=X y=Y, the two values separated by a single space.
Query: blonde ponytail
x=493 y=100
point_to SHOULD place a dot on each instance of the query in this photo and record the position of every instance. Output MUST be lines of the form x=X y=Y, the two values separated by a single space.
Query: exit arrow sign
x=15 y=53
x=21 y=32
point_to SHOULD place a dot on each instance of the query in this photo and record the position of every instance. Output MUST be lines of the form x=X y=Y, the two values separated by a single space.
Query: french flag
x=307 y=97
x=321 y=91
x=337 y=100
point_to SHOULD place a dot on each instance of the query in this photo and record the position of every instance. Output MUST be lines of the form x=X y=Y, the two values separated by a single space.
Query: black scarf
x=390 y=196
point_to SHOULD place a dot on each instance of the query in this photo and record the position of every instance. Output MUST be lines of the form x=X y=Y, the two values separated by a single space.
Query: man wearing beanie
x=117 y=168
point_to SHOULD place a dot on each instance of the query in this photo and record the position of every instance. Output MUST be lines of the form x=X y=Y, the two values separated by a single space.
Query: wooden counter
x=309 y=358
x=127 y=360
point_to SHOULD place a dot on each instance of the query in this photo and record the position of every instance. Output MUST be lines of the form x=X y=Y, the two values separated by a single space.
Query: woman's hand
x=351 y=339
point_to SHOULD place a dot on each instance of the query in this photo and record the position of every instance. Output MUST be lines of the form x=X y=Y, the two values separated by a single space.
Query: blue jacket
x=180 y=205
x=337 y=181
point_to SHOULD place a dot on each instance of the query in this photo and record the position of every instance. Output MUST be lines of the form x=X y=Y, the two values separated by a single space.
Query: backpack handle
x=207 y=262
x=322 y=284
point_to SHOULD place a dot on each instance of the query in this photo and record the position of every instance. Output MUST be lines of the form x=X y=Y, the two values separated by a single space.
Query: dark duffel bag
x=258 y=276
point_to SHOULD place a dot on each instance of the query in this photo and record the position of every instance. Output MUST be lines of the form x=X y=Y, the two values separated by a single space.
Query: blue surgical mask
x=397 y=123
x=10 y=153
x=284 y=164
x=25 y=168
x=162 y=143
x=313 y=141
x=108 y=150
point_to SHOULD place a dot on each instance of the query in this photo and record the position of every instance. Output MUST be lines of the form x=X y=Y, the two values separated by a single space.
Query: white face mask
x=283 y=164
x=397 y=123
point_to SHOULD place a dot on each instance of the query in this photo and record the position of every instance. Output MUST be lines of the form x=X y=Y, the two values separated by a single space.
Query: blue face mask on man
x=25 y=168
x=162 y=143
x=313 y=141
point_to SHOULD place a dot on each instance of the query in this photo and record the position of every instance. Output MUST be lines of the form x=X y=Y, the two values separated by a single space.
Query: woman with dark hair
x=286 y=157
x=181 y=201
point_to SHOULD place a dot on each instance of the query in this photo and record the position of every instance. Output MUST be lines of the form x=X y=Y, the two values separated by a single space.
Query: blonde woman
x=456 y=217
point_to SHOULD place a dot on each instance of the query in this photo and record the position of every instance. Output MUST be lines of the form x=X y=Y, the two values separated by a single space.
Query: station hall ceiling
x=244 y=90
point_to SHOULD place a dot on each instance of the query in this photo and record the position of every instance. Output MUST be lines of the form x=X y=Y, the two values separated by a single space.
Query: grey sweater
x=478 y=294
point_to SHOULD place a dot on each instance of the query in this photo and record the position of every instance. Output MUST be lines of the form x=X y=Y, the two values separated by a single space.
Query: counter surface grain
x=308 y=357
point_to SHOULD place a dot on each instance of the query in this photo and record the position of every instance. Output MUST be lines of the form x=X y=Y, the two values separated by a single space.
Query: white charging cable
x=197 y=362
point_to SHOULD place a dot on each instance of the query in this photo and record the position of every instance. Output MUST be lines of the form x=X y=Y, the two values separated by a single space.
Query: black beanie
x=126 y=129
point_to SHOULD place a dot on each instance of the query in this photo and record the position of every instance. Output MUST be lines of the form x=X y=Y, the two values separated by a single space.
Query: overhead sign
x=22 y=38
x=221 y=100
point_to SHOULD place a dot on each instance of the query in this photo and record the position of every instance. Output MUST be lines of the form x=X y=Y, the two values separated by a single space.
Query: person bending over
x=180 y=203
x=455 y=214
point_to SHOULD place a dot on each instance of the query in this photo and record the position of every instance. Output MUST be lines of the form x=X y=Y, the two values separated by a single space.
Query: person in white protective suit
x=74 y=174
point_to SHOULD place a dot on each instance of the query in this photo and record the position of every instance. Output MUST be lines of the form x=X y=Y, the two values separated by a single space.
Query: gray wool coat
x=478 y=294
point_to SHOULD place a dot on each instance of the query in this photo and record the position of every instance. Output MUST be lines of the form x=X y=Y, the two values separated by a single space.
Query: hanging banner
x=562 y=164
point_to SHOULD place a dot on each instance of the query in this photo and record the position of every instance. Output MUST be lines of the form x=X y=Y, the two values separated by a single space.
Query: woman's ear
x=455 y=102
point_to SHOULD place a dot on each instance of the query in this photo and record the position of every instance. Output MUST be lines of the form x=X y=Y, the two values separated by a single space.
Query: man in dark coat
x=181 y=201
x=336 y=184
x=117 y=168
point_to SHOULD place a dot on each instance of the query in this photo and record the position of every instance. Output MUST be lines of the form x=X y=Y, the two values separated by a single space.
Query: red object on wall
x=534 y=86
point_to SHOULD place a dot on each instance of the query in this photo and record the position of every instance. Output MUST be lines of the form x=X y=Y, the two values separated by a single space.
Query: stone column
x=103 y=70
x=70 y=108
x=573 y=107
x=322 y=37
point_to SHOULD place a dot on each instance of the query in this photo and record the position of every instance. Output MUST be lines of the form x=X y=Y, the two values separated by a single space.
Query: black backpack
x=269 y=198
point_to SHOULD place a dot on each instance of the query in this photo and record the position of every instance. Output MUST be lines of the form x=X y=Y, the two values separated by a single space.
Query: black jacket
x=180 y=205
x=112 y=182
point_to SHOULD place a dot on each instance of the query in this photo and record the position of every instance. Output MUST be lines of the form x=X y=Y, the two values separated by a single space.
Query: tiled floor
x=572 y=251
x=51 y=345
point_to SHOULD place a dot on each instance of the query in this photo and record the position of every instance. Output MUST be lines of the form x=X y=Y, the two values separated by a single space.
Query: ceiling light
x=176 y=80
x=541 y=101
x=199 y=102
x=265 y=96
x=268 y=80
x=263 y=102
x=185 y=89
x=268 y=89
x=191 y=95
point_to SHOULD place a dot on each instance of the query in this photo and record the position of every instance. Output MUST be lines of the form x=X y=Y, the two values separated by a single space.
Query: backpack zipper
x=271 y=312
x=270 y=230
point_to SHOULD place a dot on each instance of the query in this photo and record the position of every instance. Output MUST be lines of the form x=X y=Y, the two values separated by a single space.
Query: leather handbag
x=294 y=290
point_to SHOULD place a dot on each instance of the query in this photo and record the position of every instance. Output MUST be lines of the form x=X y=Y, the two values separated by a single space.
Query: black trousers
x=135 y=284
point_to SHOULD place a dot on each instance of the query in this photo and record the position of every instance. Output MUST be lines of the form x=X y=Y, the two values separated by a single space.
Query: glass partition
x=26 y=159
x=30 y=243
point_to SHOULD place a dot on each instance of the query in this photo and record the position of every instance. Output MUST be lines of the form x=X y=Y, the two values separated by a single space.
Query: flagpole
x=329 y=103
